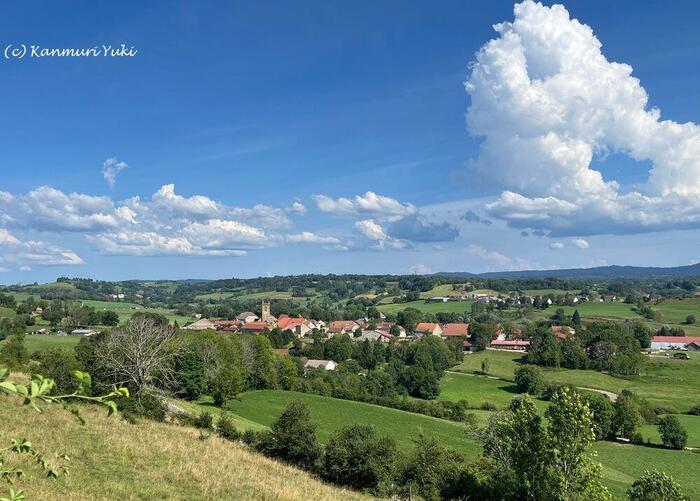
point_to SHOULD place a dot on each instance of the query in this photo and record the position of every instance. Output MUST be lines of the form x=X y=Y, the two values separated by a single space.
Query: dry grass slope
x=111 y=459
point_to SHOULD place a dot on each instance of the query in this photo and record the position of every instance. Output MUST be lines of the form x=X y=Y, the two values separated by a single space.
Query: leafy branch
x=35 y=393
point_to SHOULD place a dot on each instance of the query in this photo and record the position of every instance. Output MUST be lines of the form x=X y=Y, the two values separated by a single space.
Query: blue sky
x=273 y=104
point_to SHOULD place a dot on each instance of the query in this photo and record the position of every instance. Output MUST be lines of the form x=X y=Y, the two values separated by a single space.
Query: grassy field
x=667 y=381
x=622 y=463
x=476 y=389
x=37 y=343
x=690 y=423
x=111 y=459
x=127 y=310
x=7 y=312
x=265 y=406
x=451 y=307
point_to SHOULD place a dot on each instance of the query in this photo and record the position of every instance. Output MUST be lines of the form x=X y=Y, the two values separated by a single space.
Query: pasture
x=127 y=310
x=264 y=406
x=666 y=381
x=450 y=307
x=622 y=464
x=38 y=343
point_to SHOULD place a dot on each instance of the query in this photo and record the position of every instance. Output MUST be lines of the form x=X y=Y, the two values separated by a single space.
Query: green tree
x=655 y=486
x=627 y=415
x=485 y=365
x=576 y=318
x=571 y=433
x=227 y=383
x=690 y=319
x=603 y=413
x=287 y=370
x=110 y=318
x=528 y=379
x=293 y=437
x=261 y=368
x=191 y=376
x=672 y=433
x=430 y=470
x=356 y=457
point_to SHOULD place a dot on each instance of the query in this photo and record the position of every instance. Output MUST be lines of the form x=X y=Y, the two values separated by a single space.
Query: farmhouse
x=455 y=330
x=515 y=344
x=374 y=336
x=200 y=325
x=387 y=326
x=328 y=365
x=428 y=328
x=562 y=331
x=299 y=326
x=342 y=327
x=672 y=342
x=247 y=316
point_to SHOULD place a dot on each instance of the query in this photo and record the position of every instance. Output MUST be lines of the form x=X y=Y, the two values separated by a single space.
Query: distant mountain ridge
x=613 y=271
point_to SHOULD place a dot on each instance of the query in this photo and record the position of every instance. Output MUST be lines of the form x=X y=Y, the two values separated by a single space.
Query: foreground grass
x=111 y=459
x=667 y=381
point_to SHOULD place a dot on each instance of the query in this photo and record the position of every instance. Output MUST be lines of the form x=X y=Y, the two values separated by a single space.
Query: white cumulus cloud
x=370 y=204
x=581 y=243
x=546 y=102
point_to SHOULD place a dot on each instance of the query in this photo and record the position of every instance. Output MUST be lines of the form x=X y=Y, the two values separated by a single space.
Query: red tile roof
x=342 y=325
x=674 y=339
x=455 y=330
x=254 y=326
x=289 y=322
x=426 y=327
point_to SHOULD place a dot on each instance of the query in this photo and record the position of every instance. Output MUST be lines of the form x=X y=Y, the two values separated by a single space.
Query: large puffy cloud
x=166 y=224
x=368 y=205
x=49 y=209
x=34 y=252
x=546 y=101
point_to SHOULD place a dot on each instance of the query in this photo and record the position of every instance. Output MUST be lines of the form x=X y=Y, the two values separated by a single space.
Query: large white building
x=672 y=342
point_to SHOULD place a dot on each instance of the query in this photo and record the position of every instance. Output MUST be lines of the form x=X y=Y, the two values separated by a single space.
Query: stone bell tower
x=266 y=316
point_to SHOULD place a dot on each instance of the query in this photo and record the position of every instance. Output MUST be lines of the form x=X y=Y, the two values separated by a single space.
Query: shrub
x=226 y=429
x=471 y=420
x=293 y=437
x=148 y=406
x=59 y=364
x=488 y=406
x=431 y=471
x=204 y=421
x=251 y=438
x=636 y=438
x=673 y=434
x=655 y=486
x=694 y=411
x=690 y=319
x=356 y=457
x=529 y=379
x=666 y=409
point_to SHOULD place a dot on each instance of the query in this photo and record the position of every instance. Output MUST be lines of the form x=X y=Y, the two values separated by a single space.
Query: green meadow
x=449 y=307
x=37 y=343
x=622 y=464
x=264 y=406
x=667 y=381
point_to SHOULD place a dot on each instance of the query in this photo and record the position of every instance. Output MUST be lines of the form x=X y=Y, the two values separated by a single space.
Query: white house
x=201 y=325
x=328 y=365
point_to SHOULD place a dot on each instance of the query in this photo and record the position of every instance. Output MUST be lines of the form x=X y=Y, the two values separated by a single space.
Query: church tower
x=266 y=316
